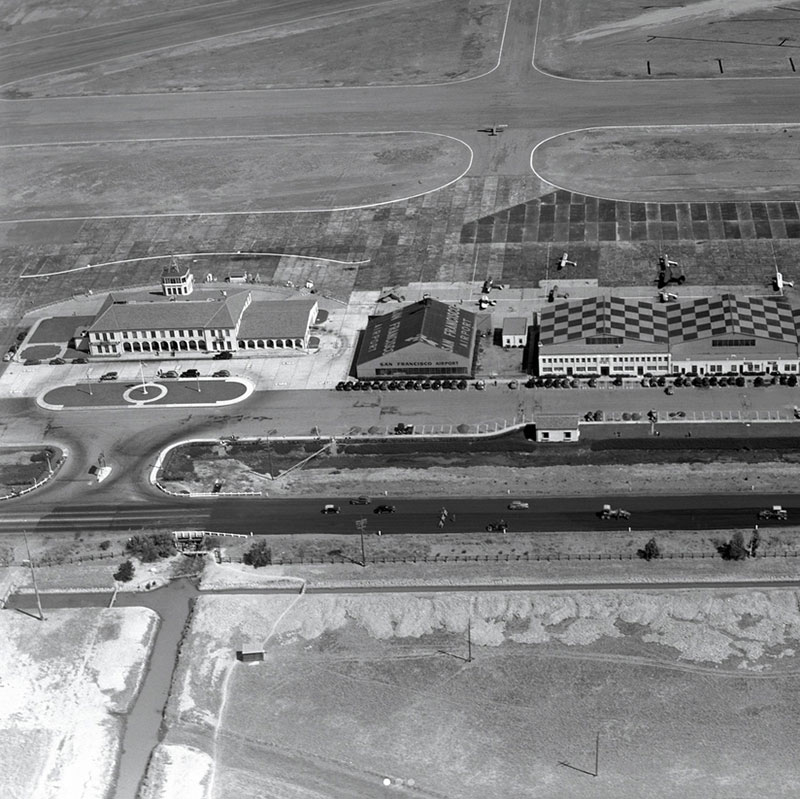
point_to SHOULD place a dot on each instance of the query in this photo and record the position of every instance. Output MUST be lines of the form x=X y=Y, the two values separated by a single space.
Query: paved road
x=303 y=516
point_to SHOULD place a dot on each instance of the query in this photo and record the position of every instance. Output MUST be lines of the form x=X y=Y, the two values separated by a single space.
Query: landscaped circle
x=143 y=393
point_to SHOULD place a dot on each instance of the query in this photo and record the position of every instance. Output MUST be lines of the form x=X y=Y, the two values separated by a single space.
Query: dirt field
x=236 y=45
x=546 y=481
x=667 y=164
x=67 y=683
x=616 y=38
x=690 y=691
x=259 y=173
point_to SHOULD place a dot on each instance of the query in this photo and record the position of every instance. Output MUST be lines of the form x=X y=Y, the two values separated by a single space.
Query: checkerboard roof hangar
x=668 y=323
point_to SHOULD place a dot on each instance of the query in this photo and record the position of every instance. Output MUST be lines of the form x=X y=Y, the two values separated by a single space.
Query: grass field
x=693 y=693
x=257 y=174
x=616 y=38
x=67 y=683
x=667 y=164
x=239 y=45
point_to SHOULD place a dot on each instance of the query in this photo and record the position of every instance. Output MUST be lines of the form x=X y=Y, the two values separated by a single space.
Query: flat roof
x=515 y=326
x=556 y=421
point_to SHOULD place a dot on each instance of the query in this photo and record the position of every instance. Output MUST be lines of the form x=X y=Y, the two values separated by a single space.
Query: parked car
x=331 y=509
x=190 y=373
x=225 y=355
x=462 y=384
x=340 y=385
x=57 y=361
x=109 y=376
x=32 y=362
x=222 y=373
x=518 y=504
x=80 y=360
x=360 y=501
x=385 y=509
x=170 y=373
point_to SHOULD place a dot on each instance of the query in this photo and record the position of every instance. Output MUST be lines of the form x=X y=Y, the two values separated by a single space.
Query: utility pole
x=361 y=525
x=597 y=755
x=33 y=578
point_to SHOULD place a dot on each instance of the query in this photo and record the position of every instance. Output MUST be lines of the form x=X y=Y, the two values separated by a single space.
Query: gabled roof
x=180 y=314
x=276 y=319
x=436 y=324
x=759 y=317
x=674 y=322
x=570 y=320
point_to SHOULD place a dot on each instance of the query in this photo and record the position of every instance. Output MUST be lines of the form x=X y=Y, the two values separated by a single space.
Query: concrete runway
x=533 y=105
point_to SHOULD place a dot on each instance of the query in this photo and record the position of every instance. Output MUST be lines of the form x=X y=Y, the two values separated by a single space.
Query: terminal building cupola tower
x=177 y=280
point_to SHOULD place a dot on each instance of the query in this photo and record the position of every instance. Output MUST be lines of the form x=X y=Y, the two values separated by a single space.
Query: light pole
x=89 y=379
x=144 y=385
x=269 y=451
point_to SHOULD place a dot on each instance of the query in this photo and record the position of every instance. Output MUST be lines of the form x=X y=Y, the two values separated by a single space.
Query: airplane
x=494 y=130
x=665 y=274
x=556 y=294
x=779 y=283
x=564 y=262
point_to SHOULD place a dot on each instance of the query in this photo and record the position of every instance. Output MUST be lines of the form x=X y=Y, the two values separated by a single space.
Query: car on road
x=190 y=373
x=109 y=376
x=222 y=373
x=385 y=509
x=360 y=501
x=223 y=356
x=518 y=504
x=331 y=509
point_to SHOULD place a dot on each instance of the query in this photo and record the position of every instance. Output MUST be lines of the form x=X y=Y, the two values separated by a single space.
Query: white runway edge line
x=715 y=125
x=633 y=80
x=244 y=91
x=194 y=255
x=257 y=212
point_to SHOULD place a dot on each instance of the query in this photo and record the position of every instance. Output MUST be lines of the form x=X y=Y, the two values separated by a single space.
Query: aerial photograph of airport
x=399 y=398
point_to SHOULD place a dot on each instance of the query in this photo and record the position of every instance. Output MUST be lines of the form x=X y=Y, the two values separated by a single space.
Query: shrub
x=650 y=551
x=151 y=547
x=124 y=573
x=734 y=549
x=104 y=545
x=259 y=554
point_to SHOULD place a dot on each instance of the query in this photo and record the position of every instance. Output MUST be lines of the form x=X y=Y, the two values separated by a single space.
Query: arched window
x=126 y=346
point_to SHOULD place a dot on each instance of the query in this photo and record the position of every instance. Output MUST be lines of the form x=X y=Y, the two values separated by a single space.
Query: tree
x=259 y=554
x=650 y=550
x=149 y=548
x=125 y=572
x=755 y=540
x=735 y=548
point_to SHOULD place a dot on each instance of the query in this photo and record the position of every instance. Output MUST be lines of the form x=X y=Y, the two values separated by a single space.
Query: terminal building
x=608 y=335
x=425 y=339
x=202 y=322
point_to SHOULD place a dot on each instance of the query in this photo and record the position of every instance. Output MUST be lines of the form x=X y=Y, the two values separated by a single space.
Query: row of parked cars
x=401 y=385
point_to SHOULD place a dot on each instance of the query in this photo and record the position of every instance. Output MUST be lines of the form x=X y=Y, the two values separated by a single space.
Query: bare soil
x=257 y=174
x=730 y=162
x=360 y=690
x=616 y=39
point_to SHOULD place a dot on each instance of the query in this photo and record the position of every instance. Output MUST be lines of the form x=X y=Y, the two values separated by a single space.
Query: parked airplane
x=564 y=262
x=494 y=130
x=779 y=283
